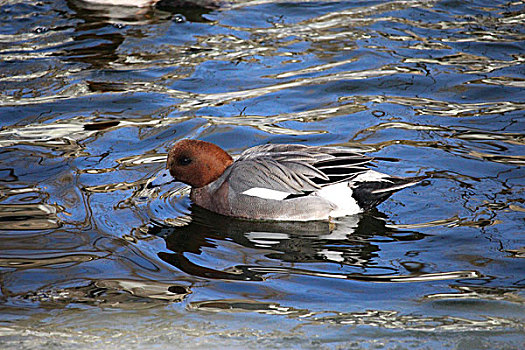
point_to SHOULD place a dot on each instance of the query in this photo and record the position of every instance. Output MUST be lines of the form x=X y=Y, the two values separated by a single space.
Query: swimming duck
x=285 y=182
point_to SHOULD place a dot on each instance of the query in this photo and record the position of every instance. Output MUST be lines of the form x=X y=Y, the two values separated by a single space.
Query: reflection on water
x=28 y=216
x=92 y=97
x=130 y=294
x=392 y=320
x=278 y=247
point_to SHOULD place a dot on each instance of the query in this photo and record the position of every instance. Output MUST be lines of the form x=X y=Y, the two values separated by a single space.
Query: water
x=91 y=98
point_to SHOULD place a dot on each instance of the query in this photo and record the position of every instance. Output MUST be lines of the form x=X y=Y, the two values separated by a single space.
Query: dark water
x=91 y=98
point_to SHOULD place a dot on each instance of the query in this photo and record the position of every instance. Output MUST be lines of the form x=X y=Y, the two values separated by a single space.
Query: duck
x=281 y=182
x=212 y=4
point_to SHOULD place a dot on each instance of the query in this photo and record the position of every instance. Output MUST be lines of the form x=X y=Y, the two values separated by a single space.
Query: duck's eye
x=184 y=160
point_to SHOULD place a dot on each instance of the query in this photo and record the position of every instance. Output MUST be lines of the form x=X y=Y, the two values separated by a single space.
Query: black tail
x=368 y=194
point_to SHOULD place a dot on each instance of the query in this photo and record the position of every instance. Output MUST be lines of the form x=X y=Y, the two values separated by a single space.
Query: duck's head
x=197 y=163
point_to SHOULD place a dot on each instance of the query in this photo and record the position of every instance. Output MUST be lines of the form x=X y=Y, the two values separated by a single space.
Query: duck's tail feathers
x=368 y=194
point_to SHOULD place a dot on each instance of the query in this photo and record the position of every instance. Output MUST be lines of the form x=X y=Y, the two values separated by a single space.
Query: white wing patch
x=266 y=193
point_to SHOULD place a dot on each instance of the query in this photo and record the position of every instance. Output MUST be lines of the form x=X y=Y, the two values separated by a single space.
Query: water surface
x=91 y=98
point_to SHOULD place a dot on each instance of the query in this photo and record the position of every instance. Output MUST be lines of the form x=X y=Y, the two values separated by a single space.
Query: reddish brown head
x=197 y=163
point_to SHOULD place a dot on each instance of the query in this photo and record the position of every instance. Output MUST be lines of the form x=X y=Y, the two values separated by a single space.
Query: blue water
x=92 y=97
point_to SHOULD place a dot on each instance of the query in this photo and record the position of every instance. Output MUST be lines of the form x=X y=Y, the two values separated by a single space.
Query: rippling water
x=92 y=97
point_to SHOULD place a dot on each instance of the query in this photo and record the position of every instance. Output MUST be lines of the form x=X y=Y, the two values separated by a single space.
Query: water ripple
x=468 y=63
x=46 y=261
x=393 y=320
x=428 y=106
x=28 y=217
x=424 y=277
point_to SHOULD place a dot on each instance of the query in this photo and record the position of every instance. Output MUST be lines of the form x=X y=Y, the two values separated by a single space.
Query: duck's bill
x=162 y=178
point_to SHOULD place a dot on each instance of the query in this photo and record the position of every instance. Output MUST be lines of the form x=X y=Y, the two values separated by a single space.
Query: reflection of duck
x=99 y=47
x=128 y=3
x=165 y=5
x=141 y=11
x=281 y=182
x=346 y=243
